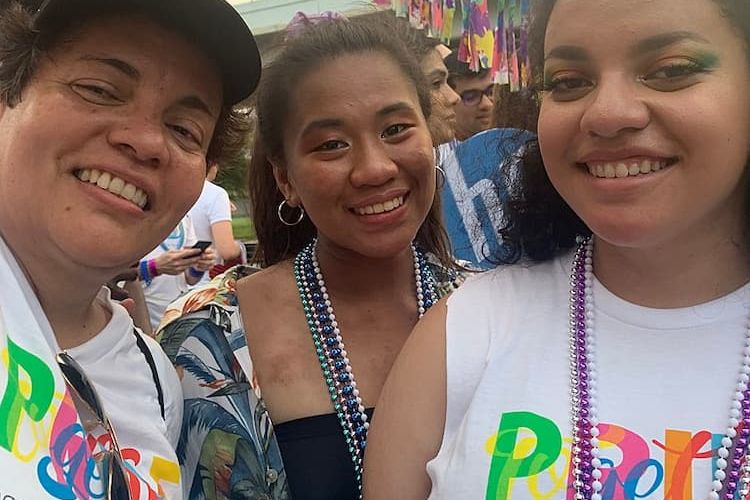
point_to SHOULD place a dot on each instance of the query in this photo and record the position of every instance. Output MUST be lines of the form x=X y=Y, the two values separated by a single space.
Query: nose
x=615 y=108
x=141 y=137
x=373 y=166
x=486 y=102
x=451 y=96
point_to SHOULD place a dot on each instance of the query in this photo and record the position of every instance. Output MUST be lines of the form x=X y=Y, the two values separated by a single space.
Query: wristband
x=143 y=269
x=195 y=273
x=152 y=270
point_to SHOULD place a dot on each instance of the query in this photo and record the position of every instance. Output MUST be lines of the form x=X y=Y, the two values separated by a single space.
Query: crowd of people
x=441 y=304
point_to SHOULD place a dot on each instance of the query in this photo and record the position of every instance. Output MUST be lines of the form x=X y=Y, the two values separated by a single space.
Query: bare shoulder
x=411 y=409
x=268 y=277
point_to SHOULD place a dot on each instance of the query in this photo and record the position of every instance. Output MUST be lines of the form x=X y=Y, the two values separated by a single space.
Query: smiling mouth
x=114 y=185
x=627 y=168
x=380 y=208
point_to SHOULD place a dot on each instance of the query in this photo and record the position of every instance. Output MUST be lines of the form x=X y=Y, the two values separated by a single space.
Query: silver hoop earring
x=442 y=175
x=281 y=216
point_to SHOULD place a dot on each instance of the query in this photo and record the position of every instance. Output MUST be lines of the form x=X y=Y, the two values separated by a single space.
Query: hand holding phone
x=202 y=245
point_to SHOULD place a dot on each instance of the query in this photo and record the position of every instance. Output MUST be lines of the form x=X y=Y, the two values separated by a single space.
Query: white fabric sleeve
x=220 y=209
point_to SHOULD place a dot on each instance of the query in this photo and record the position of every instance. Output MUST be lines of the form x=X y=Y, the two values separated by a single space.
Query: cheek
x=184 y=187
x=551 y=135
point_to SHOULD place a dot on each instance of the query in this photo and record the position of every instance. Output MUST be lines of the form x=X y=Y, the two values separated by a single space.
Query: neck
x=67 y=296
x=353 y=274
x=680 y=274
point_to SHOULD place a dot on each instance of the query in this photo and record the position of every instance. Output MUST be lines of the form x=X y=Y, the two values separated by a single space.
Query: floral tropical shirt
x=227 y=445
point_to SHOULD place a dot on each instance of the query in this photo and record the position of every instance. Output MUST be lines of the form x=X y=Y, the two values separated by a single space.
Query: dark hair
x=540 y=223
x=22 y=48
x=417 y=41
x=459 y=69
x=311 y=49
x=514 y=108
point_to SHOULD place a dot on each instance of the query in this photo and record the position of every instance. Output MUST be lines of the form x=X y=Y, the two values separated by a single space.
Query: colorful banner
x=503 y=47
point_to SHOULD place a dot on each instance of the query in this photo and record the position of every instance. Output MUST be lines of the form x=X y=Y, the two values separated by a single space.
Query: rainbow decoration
x=502 y=47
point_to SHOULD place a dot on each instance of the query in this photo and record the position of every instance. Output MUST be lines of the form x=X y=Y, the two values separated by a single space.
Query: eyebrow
x=117 y=64
x=567 y=52
x=394 y=108
x=195 y=102
x=658 y=42
x=190 y=102
x=437 y=72
x=651 y=44
x=337 y=123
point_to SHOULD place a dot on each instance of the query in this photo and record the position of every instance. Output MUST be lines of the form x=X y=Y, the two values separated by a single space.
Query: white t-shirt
x=43 y=448
x=164 y=289
x=666 y=380
x=212 y=206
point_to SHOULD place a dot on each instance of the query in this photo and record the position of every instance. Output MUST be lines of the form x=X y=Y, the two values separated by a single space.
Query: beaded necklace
x=330 y=349
x=733 y=465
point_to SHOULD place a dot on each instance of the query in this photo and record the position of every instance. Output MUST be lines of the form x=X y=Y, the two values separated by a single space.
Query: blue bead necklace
x=329 y=346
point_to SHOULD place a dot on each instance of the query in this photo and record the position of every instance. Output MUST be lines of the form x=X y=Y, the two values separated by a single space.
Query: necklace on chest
x=732 y=471
x=330 y=349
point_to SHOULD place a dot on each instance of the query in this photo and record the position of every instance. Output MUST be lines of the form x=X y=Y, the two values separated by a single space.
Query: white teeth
x=114 y=185
x=104 y=179
x=379 y=208
x=128 y=191
x=619 y=170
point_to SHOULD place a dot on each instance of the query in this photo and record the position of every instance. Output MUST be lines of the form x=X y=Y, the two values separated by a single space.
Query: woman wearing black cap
x=108 y=113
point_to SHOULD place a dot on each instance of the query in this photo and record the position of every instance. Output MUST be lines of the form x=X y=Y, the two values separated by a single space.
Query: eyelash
x=325 y=147
x=687 y=68
x=402 y=127
x=97 y=92
x=185 y=133
x=684 y=70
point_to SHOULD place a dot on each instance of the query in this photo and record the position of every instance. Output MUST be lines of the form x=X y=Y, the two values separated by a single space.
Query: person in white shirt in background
x=212 y=220
x=170 y=269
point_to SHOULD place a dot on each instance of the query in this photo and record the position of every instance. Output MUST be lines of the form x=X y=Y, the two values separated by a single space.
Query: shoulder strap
x=154 y=373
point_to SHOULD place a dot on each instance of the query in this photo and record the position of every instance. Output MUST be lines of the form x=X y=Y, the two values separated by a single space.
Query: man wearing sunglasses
x=109 y=111
x=474 y=110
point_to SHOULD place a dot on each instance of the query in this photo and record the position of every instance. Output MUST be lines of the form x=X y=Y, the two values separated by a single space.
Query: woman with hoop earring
x=352 y=252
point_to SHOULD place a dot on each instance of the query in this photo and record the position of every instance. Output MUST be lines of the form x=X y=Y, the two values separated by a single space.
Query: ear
x=285 y=183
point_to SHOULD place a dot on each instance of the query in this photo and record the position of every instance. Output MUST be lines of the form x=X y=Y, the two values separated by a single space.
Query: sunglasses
x=89 y=406
x=473 y=97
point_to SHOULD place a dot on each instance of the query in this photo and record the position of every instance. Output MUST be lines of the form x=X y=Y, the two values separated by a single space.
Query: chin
x=100 y=253
x=628 y=234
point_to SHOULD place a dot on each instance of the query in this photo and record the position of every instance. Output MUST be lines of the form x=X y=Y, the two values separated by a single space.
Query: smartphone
x=202 y=245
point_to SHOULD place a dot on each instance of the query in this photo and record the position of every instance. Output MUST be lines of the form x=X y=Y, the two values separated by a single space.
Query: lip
x=629 y=154
x=125 y=174
x=380 y=198
x=120 y=205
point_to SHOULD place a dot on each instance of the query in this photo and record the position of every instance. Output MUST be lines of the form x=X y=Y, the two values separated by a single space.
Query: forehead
x=479 y=83
x=351 y=87
x=160 y=55
x=608 y=24
x=432 y=62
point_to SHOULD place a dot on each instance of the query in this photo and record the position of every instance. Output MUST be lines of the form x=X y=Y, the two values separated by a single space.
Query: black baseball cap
x=213 y=25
